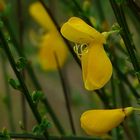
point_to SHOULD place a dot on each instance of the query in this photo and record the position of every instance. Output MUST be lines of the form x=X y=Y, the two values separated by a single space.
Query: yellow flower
x=96 y=66
x=38 y=12
x=52 y=44
x=100 y=122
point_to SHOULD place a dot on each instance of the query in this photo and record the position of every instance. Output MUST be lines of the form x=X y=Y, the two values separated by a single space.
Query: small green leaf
x=36 y=96
x=116 y=26
x=36 y=130
x=6 y=135
x=40 y=129
x=45 y=124
x=21 y=125
x=14 y=83
x=8 y=38
x=21 y=64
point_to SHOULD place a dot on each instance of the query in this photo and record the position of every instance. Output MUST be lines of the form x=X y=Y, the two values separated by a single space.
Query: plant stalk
x=8 y=94
x=118 y=11
x=21 y=81
x=33 y=77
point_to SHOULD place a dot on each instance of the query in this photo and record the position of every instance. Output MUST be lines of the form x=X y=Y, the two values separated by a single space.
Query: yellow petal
x=52 y=43
x=76 y=30
x=96 y=67
x=100 y=122
x=38 y=12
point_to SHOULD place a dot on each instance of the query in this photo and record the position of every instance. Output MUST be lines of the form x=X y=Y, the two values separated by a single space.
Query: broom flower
x=96 y=66
x=51 y=42
x=100 y=122
x=41 y=17
x=48 y=49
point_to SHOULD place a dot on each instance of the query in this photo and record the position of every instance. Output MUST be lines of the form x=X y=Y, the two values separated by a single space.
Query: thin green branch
x=115 y=132
x=125 y=79
x=121 y=75
x=100 y=12
x=7 y=92
x=33 y=77
x=134 y=8
x=40 y=137
x=21 y=80
x=125 y=102
x=103 y=98
x=81 y=12
x=65 y=91
x=118 y=11
x=21 y=33
x=124 y=97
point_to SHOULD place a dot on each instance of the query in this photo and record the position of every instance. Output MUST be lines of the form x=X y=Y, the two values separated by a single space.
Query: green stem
x=21 y=80
x=102 y=95
x=122 y=76
x=133 y=7
x=100 y=10
x=116 y=131
x=21 y=33
x=34 y=79
x=128 y=131
x=65 y=91
x=118 y=11
x=8 y=95
x=125 y=79
x=134 y=19
x=81 y=12
x=40 y=137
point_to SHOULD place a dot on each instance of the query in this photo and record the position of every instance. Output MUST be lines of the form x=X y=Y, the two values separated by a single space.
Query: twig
x=114 y=95
x=134 y=8
x=100 y=10
x=8 y=95
x=125 y=79
x=21 y=80
x=80 y=10
x=21 y=32
x=103 y=98
x=34 y=79
x=118 y=11
x=40 y=137
x=65 y=91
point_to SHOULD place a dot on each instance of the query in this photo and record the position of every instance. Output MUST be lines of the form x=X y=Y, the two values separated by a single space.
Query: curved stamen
x=80 y=49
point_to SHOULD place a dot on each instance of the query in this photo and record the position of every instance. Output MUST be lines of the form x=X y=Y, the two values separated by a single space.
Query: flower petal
x=48 y=48
x=100 y=122
x=76 y=30
x=96 y=67
x=38 y=12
